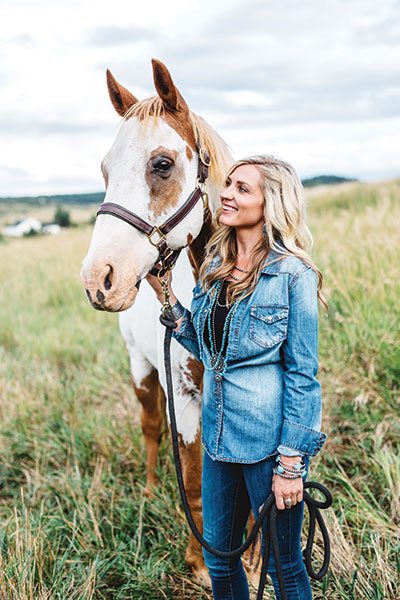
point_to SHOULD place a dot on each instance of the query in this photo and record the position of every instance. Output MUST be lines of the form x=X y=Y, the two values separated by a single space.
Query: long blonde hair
x=285 y=228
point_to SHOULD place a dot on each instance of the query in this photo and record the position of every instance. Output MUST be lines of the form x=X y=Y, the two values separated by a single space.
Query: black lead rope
x=268 y=510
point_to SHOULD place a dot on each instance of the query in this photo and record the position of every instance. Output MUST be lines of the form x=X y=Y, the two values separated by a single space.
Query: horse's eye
x=162 y=165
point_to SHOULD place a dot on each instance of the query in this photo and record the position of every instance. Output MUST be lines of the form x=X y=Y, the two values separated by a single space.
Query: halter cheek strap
x=167 y=255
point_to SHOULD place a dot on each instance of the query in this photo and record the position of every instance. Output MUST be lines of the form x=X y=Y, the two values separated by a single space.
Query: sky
x=314 y=82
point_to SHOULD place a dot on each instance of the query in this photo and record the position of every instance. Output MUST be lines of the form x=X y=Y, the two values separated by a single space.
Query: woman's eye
x=227 y=183
x=242 y=189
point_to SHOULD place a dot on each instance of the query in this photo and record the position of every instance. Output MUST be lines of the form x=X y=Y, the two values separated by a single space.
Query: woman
x=254 y=325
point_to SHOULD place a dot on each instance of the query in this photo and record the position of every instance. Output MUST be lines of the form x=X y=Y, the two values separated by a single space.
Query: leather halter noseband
x=166 y=255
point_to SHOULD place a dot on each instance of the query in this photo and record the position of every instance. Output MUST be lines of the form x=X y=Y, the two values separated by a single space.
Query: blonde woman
x=254 y=325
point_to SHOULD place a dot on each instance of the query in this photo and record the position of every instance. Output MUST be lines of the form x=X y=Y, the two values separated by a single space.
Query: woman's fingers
x=280 y=502
x=287 y=492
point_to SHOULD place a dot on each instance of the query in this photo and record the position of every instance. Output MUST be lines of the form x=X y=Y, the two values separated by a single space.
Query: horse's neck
x=197 y=247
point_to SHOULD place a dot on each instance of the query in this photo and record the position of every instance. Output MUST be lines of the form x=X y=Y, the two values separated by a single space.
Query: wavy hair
x=285 y=228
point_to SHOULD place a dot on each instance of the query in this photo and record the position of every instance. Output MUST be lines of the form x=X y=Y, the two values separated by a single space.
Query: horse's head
x=150 y=170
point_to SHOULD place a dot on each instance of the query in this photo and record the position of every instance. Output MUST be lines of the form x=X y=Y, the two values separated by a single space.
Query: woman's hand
x=287 y=488
x=155 y=284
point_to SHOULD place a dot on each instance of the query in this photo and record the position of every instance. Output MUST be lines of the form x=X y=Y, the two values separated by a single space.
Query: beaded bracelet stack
x=288 y=471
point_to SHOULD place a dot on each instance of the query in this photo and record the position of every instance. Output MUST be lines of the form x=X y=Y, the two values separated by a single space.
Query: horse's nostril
x=107 y=281
x=88 y=295
x=100 y=296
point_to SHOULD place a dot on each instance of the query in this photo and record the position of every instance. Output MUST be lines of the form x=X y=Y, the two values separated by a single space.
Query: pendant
x=218 y=363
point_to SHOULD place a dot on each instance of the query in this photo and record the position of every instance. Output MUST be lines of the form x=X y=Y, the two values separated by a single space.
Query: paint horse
x=150 y=170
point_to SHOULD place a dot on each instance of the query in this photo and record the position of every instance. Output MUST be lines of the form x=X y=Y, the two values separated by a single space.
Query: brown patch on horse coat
x=164 y=192
x=150 y=395
x=196 y=370
x=189 y=153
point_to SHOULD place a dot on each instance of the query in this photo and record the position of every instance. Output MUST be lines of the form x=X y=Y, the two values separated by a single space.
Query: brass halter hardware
x=166 y=255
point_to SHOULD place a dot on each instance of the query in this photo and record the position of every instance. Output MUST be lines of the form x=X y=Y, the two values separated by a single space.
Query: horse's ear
x=120 y=97
x=166 y=89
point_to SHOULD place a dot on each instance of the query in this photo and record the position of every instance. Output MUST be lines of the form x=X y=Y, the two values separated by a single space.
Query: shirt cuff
x=286 y=451
x=301 y=438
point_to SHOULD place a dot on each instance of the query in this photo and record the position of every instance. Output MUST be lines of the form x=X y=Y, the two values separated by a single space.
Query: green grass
x=74 y=520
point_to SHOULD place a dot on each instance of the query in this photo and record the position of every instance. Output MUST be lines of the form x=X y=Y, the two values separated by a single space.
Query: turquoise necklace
x=218 y=362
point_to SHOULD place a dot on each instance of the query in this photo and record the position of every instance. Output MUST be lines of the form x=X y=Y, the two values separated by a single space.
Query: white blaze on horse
x=151 y=171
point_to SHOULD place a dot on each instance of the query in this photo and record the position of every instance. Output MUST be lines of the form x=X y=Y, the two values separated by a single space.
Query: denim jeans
x=229 y=490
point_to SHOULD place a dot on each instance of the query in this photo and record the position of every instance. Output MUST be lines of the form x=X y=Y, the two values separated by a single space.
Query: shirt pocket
x=268 y=324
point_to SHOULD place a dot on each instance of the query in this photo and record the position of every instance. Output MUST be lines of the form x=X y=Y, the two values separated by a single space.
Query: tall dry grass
x=74 y=521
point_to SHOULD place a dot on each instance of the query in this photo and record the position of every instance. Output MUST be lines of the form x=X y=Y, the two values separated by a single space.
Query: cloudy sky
x=316 y=82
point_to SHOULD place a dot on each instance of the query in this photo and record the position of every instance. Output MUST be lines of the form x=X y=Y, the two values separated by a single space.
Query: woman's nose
x=227 y=193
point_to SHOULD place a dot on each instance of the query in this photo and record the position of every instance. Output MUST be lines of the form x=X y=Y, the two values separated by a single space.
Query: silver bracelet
x=177 y=310
x=276 y=472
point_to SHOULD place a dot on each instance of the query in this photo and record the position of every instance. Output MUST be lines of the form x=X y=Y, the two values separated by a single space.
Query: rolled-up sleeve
x=302 y=391
x=187 y=335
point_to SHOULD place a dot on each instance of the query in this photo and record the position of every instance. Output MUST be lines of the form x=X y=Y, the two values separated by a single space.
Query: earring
x=264 y=230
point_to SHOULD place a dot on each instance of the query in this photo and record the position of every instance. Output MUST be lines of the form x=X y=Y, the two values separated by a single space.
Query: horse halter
x=166 y=255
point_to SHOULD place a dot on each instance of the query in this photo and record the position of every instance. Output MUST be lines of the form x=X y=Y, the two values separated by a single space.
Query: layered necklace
x=218 y=361
x=238 y=269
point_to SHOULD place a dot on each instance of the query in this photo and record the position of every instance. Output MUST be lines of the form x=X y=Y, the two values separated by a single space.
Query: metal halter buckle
x=203 y=157
x=160 y=233
x=204 y=197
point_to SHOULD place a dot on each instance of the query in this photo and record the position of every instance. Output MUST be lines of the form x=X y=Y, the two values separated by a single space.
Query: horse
x=151 y=169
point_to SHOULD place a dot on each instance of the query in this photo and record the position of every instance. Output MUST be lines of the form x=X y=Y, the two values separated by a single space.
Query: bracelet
x=299 y=466
x=298 y=469
x=177 y=310
x=296 y=476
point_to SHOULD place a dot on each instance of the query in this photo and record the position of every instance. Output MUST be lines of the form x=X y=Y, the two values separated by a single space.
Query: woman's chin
x=226 y=220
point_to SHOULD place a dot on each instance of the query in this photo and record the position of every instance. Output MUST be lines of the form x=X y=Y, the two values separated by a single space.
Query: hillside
x=98 y=197
x=92 y=198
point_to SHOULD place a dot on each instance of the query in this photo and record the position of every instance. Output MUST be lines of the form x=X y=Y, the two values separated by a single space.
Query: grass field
x=74 y=521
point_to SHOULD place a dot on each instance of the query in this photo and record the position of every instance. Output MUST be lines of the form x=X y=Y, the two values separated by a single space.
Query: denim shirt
x=268 y=399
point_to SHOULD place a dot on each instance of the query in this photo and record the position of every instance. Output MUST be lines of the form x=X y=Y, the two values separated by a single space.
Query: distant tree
x=325 y=180
x=61 y=217
x=32 y=232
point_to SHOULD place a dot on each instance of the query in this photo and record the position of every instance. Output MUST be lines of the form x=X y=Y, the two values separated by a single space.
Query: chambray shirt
x=268 y=399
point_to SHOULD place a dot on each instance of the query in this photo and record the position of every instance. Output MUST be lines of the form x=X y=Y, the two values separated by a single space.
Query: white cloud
x=317 y=83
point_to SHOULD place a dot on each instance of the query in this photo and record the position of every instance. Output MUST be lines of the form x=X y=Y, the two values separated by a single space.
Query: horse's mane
x=152 y=109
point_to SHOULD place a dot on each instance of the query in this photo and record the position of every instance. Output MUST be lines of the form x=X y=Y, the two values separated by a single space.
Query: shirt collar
x=274 y=260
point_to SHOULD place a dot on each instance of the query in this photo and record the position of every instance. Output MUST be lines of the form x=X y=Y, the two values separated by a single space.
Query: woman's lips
x=227 y=208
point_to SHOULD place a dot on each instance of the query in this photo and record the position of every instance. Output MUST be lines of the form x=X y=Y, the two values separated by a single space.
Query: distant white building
x=22 y=227
x=28 y=224
x=51 y=228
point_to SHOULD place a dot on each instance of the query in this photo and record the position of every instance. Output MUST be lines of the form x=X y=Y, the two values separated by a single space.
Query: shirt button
x=217 y=377
x=219 y=405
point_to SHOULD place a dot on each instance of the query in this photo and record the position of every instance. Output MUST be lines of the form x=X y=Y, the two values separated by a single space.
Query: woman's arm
x=184 y=333
x=302 y=391
x=155 y=284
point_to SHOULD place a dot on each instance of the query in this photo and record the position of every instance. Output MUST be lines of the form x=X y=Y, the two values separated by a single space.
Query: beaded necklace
x=218 y=362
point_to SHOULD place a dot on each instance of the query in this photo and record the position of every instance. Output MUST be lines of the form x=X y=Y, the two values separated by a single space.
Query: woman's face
x=242 y=198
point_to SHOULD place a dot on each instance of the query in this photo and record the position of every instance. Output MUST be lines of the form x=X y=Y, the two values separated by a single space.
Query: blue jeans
x=229 y=490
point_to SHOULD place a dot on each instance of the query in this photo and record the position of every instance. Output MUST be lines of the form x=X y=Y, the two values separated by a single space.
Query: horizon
x=103 y=191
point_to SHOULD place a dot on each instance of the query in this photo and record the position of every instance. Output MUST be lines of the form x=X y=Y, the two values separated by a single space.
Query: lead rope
x=268 y=511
